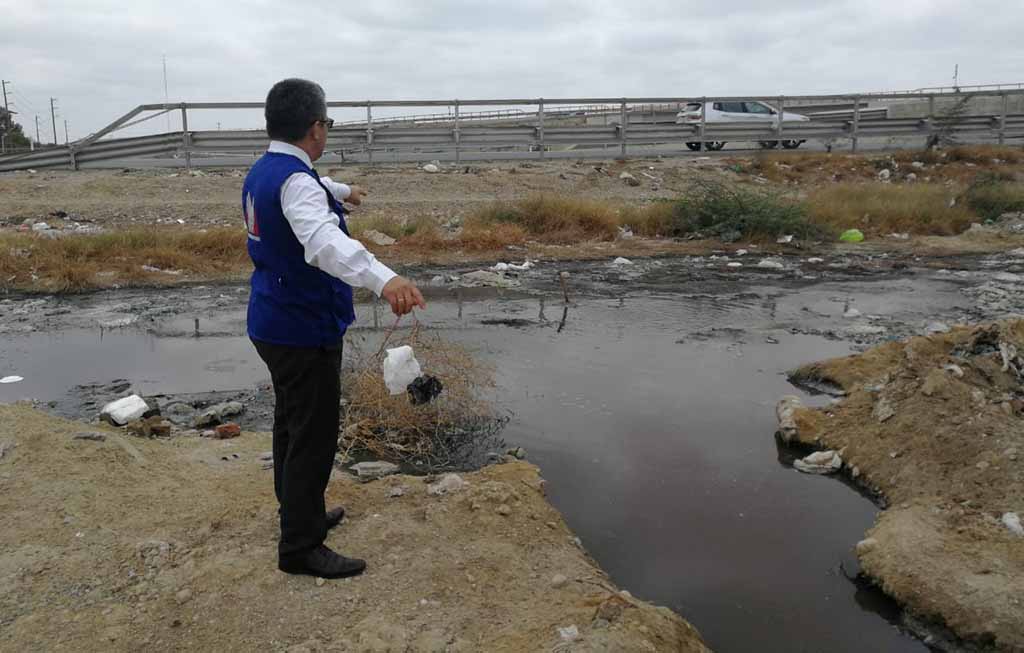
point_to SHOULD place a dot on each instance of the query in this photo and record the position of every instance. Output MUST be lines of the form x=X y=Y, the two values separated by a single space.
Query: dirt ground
x=933 y=425
x=212 y=197
x=128 y=544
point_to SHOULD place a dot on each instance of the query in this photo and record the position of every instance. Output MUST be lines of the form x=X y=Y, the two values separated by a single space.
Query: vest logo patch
x=249 y=215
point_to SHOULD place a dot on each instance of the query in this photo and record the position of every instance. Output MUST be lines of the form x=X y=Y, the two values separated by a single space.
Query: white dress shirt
x=316 y=228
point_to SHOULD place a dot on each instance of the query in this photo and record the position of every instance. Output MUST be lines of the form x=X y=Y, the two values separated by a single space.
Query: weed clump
x=452 y=431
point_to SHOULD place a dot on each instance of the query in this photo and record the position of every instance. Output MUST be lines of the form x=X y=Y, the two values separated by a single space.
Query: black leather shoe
x=322 y=562
x=334 y=517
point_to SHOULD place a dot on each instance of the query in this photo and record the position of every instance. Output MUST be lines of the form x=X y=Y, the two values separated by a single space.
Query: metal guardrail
x=624 y=124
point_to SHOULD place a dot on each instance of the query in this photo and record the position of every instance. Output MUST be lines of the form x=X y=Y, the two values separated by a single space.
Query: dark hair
x=293 y=105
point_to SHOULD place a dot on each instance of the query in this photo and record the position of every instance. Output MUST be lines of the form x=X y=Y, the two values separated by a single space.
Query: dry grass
x=84 y=261
x=555 y=219
x=434 y=435
x=884 y=208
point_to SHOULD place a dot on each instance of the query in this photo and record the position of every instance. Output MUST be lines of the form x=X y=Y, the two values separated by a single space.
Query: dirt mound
x=112 y=543
x=934 y=425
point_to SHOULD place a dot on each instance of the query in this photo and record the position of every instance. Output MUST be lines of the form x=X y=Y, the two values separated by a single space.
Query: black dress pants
x=307 y=397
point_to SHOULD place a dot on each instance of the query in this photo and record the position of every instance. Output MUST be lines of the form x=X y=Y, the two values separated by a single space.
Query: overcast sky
x=101 y=58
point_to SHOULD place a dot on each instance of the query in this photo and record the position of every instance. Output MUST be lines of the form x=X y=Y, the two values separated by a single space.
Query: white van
x=749 y=112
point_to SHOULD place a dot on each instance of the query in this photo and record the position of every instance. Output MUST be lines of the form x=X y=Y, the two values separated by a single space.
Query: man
x=299 y=309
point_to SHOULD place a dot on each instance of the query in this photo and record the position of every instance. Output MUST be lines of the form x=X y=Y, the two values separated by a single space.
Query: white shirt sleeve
x=340 y=191
x=326 y=245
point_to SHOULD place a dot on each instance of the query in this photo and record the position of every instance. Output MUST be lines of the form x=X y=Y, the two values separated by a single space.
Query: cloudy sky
x=101 y=58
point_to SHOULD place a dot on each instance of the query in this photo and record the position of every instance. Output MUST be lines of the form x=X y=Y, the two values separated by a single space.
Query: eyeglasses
x=328 y=122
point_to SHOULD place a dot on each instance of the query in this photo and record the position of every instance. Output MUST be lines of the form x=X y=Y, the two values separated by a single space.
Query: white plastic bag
x=400 y=369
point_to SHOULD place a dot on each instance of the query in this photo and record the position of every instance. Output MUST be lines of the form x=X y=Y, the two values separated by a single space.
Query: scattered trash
x=884 y=175
x=852 y=313
x=569 y=633
x=741 y=252
x=903 y=236
x=400 y=369
x=370 y=470
x=821 y=462
x=852 y=236
x=124 y=410
x=424 y=389
x=500 y=267
x=815 y=260
x=883 y=410
x=620 y=261
x=40 y=226
x=771 y=264
x=785 y=411
x=1012 y=521
x=625 y=233
x=629 y=179
x=734 y=264
x=936 y=328
x=784 y=240
x=12 y=379
x=487 y=278
x=431 y=168
x=378 y=238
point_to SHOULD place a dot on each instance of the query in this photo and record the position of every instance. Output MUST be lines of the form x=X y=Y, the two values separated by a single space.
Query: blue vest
x=291 y=303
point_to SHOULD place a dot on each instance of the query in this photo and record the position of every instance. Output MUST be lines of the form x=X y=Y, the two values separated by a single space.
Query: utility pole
x=37 y=131
x=65 y=132
x=53 y=120
x=10 y=121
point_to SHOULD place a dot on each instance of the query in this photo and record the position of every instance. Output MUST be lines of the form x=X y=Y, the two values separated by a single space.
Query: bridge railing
x=542 y=126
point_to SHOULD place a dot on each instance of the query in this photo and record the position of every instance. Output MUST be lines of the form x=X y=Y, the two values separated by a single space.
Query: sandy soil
x=934 y=426
x=129 y=544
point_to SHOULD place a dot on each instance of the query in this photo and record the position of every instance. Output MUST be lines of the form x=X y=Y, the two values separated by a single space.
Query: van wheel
x=715 y=145
x=768 y=145
x=694 y=146
x=791 y=145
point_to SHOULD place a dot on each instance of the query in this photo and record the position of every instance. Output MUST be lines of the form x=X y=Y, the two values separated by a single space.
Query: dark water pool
x=652 y=419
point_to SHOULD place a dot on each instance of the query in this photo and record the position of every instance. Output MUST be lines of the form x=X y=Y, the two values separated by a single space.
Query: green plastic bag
x=852 y=236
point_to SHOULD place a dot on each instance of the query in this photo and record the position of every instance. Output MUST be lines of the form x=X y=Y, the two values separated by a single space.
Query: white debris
x=771 y=264
x=937 y=327
x=621 y=261
x=12 y=379
x=487 y=278
x=884 y=175
x=378 y=238
x=400 y=369
x=784 y=240
x=815 y=260
x=955 y=370
x=785 y=412
x=1012 y=521
x=125 y=410
x=625 y=233
x=569 y=633
x=741 y=252
x=821 y=462
x=500 y=267
x=431 y=168
x=368 y=471
x=852 y=313
x=897 y=236
x=448 y=483
x=526 y=265
x=917 y=165
x=734 y=264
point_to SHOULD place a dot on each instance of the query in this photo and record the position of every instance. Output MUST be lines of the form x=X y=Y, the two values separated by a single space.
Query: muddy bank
x=124 y=544
x=935 y=426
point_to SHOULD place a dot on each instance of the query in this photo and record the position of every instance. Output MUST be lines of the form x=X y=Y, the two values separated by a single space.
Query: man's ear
x=311 y=133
